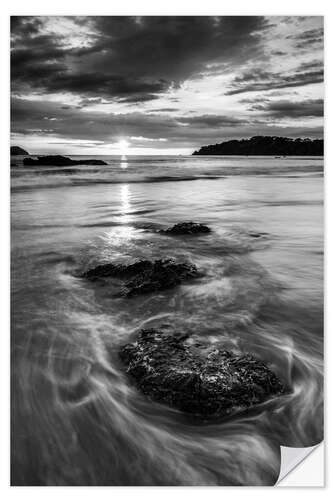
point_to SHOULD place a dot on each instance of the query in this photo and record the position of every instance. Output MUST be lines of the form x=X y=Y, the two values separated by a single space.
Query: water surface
x=76 y=418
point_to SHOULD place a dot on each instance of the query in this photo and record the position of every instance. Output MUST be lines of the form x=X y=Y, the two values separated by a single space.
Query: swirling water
x=76 y=418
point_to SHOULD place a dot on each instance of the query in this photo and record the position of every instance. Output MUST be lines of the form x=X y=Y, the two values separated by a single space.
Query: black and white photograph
x=167 y=248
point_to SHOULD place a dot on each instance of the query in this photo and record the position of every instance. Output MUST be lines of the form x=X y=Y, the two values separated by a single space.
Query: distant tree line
x=266 y=145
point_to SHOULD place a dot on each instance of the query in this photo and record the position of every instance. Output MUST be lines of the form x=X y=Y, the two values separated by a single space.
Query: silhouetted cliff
x=16 y=150
x=266 y=145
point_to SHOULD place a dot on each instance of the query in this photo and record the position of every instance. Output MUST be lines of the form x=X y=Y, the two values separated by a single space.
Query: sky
x=162 y=85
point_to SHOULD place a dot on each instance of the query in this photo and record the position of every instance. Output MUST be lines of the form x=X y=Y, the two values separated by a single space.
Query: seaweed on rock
x=186 y=228
x=197 y=379
x=145 y=276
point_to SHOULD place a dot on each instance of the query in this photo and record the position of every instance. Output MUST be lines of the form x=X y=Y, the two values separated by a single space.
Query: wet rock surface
x=59 y=161
x=186 y=228
x=145 y=276
x=198 y=379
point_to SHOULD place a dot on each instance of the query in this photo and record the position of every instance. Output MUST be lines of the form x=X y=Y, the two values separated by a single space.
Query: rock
x=254 y=234
x=145 y=276
x=197 y=379
x=186 y=228
x=59 y=161
x=16 y=150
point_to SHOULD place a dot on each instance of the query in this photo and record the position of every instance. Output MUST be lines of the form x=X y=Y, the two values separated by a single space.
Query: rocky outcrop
x=144 y=276
x=186 y=228
x=198 y=379
x=266 y=146
x=16 y=150
x=59 y=161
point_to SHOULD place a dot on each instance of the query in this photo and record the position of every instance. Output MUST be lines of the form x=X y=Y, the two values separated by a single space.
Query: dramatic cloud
x=287 y=109
x=177 y=131
x=48 y=118
x=308 y=38
x=212 y=121
x=128 y=58
x=260 y=80
x=173 y=83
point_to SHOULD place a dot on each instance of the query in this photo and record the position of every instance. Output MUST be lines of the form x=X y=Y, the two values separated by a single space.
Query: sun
x=123 y=147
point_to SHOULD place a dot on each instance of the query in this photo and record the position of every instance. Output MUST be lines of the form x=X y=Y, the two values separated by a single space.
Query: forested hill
x=266 y=145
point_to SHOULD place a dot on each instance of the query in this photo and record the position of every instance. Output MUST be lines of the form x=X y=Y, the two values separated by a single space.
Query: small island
x=266 y=146
x=16 y=150
x=59 y=161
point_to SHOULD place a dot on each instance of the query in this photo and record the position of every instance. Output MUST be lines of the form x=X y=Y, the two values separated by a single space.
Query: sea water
x=76 y=417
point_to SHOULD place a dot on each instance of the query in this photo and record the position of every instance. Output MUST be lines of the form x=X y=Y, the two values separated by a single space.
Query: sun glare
x=123 y=147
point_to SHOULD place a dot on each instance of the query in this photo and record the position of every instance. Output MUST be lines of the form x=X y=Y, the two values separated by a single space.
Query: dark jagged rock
x=16 y=150
x=186 y=228
x=59 y=161
x=195 y=378
x=145 y=276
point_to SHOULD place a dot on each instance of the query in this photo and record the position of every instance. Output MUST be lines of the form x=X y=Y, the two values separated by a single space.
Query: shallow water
x=76 y=418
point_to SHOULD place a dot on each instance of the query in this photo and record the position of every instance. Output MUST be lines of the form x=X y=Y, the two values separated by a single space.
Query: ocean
x=76 y=417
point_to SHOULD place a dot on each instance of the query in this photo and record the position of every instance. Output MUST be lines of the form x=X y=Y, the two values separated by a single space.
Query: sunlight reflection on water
x=125 y=206
x=123 y=162
x=125 y=210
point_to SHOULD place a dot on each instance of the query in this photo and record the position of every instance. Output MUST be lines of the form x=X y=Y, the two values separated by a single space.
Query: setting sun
x=123 y=147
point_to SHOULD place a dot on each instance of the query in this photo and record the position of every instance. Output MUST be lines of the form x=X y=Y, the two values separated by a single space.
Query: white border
x=143 y=7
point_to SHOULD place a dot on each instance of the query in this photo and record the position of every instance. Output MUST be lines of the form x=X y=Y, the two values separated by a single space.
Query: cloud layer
x=176 y=81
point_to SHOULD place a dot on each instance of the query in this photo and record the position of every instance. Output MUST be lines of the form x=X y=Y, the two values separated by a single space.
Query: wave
x=160 y=170
x=76 y=182
x=89 y=419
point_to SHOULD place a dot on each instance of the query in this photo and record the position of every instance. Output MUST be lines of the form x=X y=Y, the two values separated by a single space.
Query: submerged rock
x=60 y=161
x=145 y=276
x=254 y=234
x=186 y=228
x=201 y=380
